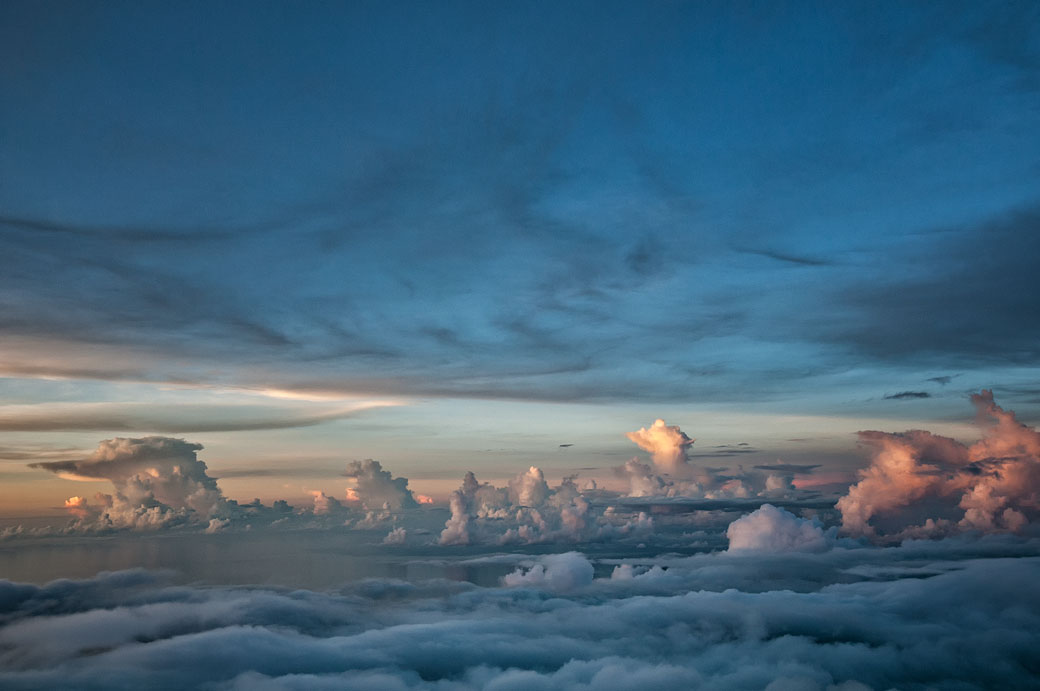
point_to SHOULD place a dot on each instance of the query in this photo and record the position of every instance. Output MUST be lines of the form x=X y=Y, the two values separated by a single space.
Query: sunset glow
x=519 y=345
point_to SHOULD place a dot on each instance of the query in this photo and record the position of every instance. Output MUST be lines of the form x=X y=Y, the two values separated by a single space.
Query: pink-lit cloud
x=920 y=483
x=667 y=445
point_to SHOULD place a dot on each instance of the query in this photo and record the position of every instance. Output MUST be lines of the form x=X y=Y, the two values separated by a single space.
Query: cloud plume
x=157 y=481
x=667 y=445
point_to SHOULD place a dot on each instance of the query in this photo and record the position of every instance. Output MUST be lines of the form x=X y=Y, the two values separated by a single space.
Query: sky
x=458 y=236
x=519 y=346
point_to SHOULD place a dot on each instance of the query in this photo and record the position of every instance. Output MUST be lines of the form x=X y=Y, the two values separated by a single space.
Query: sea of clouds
x=783 y=608
x=921 y=576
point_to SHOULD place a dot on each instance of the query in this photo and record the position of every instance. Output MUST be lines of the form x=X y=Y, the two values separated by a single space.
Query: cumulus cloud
x=666 y=444
x=557 y=572
x=325 y=505
x=157 y=481
x=376 y=488
x=770 y=529
x=528 y=511
x=775 y=481
x=919 y=483
x=397 y=536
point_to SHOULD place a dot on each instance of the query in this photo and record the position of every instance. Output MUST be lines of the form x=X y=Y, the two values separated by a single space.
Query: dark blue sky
x=801 y=207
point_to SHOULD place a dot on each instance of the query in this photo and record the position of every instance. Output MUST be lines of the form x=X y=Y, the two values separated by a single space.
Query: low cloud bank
x=939 y=615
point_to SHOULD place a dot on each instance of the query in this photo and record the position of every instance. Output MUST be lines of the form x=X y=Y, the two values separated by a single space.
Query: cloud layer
x=948 y=615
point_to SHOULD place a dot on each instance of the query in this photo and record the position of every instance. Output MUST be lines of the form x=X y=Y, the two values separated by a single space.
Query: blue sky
x=421 y=231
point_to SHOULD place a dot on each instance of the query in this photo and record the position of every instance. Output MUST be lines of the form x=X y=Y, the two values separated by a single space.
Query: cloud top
x=771 y=529
x=667 y=445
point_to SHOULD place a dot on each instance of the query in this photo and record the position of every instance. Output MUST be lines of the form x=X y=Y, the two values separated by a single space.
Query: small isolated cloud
x=555 y=572
x=666 y=444
x=397 y=536
x=903 y=395
x=770 y=529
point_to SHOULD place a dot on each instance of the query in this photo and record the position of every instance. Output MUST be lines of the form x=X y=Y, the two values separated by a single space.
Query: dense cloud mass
x=947 y=615
x=922 y=484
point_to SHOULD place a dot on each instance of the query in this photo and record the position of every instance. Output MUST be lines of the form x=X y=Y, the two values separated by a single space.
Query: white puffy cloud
x=456 y=529
x=528 y=511
x=376 y=488
x=770 y=529
x=556 y=572
x=159 y=482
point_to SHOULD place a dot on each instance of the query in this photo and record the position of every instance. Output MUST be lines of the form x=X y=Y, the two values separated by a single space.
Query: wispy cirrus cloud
x=170 y=419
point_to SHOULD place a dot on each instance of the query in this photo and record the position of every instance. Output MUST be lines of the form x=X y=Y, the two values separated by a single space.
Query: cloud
x=397 y=536
x=666 y=444
x=919 y=483
x=907 y=394
x=528 y=511
x=376 y=488
x=325 y=505
x=177 y=419
x=556 y=572
x=770 y=529
x=845 y=619
x=157 y=481
x=787 y=258
x=777 y=482
x=893 y=320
